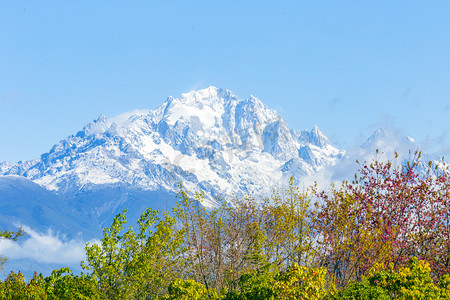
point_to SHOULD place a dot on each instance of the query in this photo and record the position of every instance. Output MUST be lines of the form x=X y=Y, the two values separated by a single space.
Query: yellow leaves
x=299 y=282
x=410 y=282
x=186 y=289
x=377 y=267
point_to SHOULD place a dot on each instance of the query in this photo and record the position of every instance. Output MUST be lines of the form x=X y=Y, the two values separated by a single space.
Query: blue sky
x=349 y=67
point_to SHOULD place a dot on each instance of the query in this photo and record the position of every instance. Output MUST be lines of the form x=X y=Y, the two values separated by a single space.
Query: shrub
x=16 y=287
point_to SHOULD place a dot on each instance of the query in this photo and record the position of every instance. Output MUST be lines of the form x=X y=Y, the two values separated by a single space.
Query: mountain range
x=207 y=140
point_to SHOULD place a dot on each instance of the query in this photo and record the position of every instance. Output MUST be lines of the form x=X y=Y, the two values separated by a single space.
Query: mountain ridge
x=207 y=136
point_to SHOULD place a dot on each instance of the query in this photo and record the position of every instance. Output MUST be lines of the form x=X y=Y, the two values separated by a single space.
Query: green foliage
x=296 y=282
x=187 y=289
x=12 y=235
x=411 y=282
x=282 y=247
x=299 y=282
x=63 y=284
x=136 y=265
x=255 y=285
x=362 y=291
x=16 y=287
x=444 y=285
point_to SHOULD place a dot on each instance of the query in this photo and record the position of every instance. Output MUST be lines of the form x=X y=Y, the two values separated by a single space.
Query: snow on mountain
x=390 y=141
x=208 y=139
x=382 y=145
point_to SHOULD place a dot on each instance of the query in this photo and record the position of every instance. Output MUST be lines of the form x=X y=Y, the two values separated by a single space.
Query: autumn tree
x=388 y=214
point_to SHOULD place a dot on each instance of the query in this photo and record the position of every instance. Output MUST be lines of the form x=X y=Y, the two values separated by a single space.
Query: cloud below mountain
x=46 y=247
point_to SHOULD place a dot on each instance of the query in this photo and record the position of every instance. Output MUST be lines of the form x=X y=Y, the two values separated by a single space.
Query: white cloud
x=45 y=248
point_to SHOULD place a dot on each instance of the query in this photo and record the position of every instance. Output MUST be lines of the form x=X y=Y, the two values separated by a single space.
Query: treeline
x=384 y=235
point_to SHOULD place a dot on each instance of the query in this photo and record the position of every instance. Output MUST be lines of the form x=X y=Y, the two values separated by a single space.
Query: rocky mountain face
x=207 y=139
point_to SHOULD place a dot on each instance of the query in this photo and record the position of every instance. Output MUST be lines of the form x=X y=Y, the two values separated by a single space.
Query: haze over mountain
x=208 y=140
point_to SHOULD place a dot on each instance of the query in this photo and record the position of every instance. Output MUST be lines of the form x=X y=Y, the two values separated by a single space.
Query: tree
x=187 y=289
x=410 y=282
x=386 y=215
x=63 y=284
x=136 y=264
x=16 y=287
x=245 y=238
x=300 y=282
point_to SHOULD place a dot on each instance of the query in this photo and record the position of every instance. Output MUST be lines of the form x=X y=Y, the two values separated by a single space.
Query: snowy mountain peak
x=318 y=137
x=315 y=136
x=379 y=137
x=208 y=96
x=101 y=119
x=379 y=133
x=208 y=139
x=256 y=105
x=98 y=126
x=390 y=141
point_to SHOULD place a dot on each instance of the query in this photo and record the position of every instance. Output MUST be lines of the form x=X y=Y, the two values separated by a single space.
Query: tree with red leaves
x=386 y=215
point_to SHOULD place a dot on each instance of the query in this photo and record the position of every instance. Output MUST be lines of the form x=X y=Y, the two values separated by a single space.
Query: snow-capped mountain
x=382 y=145
x=390 y=142
x=208 y=139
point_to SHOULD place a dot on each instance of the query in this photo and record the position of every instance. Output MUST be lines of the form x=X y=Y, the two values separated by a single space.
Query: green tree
x=411 y=282
x=136 y=265
x=187 y=289
x=63 y=284
x=15 y=287
x=300 y=282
